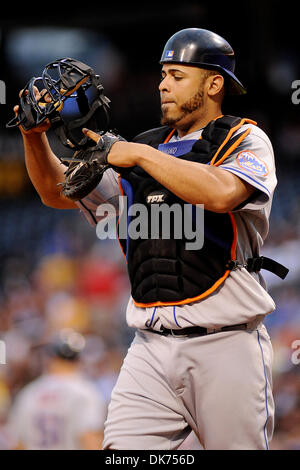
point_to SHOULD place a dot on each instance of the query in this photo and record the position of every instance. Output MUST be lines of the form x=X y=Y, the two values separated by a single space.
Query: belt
x=197 y=330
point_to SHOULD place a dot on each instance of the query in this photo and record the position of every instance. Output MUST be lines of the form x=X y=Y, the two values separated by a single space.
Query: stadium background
x=54 y=272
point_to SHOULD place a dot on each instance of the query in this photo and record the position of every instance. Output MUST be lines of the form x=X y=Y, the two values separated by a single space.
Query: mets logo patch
x=251 y=163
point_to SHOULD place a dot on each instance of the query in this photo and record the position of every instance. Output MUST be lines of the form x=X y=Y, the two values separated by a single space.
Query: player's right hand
x=44 y=126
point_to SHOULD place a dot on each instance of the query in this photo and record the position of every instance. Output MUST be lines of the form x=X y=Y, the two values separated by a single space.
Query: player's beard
x=184 y=110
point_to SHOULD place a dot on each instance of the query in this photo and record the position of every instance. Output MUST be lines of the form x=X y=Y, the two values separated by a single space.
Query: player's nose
x=164 y=85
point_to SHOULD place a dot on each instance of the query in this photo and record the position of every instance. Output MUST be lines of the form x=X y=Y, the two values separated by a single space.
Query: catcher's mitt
x=86 y=167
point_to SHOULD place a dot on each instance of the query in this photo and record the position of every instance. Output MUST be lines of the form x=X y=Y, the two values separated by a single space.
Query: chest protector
x=162 y=271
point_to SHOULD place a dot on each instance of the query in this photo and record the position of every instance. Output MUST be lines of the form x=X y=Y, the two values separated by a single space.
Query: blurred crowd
x=65 y=281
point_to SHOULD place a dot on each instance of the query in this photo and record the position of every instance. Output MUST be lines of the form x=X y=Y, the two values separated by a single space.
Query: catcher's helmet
x=75 y=98
x=205 y=49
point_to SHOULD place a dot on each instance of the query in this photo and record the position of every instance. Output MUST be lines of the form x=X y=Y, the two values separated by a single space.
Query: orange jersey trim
x=169 y=136
x=229 y=135
x=233 y=147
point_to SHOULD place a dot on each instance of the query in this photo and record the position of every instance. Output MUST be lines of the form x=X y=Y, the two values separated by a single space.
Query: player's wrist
x=141 y=154
x=125 y=154
x=34 y=138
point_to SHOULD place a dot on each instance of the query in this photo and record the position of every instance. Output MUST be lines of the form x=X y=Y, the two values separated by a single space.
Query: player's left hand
x=121 y=154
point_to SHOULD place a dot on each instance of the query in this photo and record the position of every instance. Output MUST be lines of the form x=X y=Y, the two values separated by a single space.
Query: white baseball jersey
x=53 y=411
x=243 y=296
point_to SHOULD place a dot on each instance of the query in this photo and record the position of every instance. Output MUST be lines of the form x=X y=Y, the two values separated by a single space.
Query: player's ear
x=215 y=84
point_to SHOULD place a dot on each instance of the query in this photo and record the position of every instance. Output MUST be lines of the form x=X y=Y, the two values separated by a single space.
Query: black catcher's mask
x=75 y=99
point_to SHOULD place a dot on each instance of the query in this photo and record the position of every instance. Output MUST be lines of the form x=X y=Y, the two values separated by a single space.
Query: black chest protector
x=161 y=269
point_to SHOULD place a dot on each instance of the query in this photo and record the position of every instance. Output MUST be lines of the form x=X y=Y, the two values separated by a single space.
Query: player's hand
x=44 y=126
x=122 y=154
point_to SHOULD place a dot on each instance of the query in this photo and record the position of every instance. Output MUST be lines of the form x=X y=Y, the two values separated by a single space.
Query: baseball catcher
x=201 y=350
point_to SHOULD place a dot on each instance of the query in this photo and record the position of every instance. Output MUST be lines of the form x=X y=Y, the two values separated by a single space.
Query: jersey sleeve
x=253 y=161
x=107 y=192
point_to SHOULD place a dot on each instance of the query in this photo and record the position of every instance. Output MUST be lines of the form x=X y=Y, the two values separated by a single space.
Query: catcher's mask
x=70 y=97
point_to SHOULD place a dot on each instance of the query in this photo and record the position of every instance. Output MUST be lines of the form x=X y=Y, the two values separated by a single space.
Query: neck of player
x=198 y=120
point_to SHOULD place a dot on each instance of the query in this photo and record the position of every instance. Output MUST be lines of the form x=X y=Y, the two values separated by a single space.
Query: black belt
x=197 y=330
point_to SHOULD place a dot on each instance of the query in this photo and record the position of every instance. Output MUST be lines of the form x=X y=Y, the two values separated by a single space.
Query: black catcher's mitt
x=86 y=167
